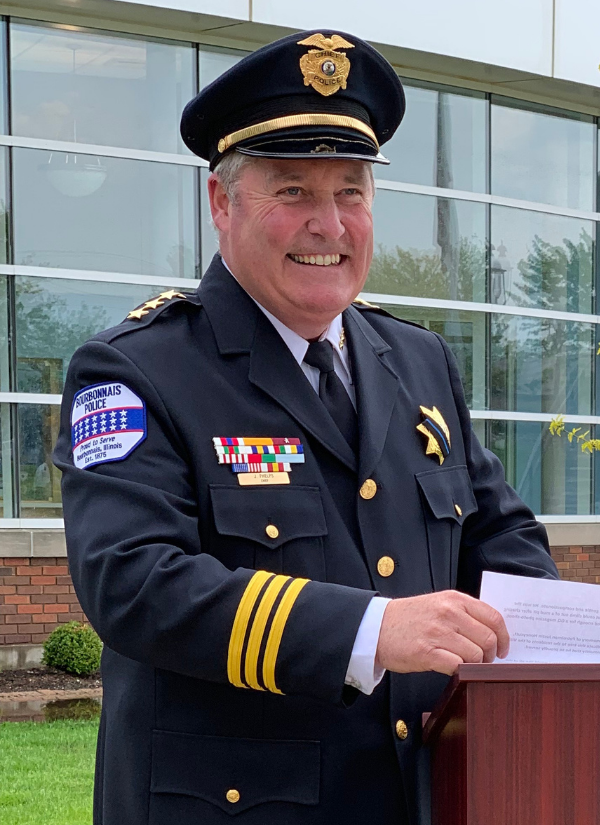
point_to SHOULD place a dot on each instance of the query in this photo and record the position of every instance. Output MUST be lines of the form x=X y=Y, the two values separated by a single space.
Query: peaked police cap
x=313 y=94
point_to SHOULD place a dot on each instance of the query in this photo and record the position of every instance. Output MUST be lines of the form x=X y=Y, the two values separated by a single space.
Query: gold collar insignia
x=437 y=433
x=324 y=68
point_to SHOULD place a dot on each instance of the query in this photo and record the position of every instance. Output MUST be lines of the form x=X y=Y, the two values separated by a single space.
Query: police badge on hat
x=324 y=68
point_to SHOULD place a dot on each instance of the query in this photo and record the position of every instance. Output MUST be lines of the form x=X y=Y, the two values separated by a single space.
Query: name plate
x=247 y=479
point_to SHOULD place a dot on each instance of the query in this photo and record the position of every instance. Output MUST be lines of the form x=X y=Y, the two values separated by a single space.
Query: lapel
x=240 y=327
x=376 y=386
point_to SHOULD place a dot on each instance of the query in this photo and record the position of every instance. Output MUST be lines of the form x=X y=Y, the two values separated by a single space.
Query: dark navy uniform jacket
x=224 y=687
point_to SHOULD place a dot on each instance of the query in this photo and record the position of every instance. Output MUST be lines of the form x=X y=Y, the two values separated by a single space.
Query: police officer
x=276 y=511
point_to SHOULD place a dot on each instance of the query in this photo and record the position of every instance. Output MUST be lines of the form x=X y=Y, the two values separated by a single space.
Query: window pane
x=551 y=475
x=4 y=206
x=541 y=260
x=441 y=141
x=213 y=62
x=85 y=212
x=540 y=155
x=209 y=239
x=5 y=385
x=428 y=247
x=465 y=334
x=54 y=317
x=7 y=503
x=89 y=87
x=39 y=478
x=541 y=365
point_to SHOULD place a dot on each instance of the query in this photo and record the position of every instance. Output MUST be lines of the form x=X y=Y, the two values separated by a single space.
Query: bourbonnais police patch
x=108 y=421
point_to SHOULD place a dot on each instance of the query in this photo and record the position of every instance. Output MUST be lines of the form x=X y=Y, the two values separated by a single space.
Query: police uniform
x=225 y=540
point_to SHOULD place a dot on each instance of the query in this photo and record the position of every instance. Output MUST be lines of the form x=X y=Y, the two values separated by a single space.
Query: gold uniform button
x=233 y=796
x=401 y=729
x=272 y=532
x=385 y=566
x=368 y=489
x=458 y=510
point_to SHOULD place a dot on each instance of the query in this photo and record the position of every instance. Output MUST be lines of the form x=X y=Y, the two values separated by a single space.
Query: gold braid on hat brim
x=291 y=121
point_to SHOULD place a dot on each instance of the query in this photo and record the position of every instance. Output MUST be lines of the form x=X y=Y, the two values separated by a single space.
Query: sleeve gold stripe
x=258 y=629
x=276 y=632
x=240 y=625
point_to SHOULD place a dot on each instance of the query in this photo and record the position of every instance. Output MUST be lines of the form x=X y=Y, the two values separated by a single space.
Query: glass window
x=213 y=62
x=441 y=140
x=91 y=87
x=541 y=365
x=209 y=238
x=552 y=476
x=4 y=206
x=540 y=260
x=465 y=334
x=54 y=317
x=542 y=155
x=428 y=247
x=39 y=478
x=86 y=212
x=7 y=500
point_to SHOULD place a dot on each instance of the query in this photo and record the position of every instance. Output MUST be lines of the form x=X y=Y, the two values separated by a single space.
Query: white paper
x=549 y=621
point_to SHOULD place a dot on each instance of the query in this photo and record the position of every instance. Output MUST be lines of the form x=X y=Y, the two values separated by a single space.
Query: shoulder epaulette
x=366 y=306
x=144 y=315
x=155 y=305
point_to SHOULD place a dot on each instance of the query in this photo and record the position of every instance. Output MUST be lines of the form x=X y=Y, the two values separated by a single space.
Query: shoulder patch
x=108 y=421
x=154 y=304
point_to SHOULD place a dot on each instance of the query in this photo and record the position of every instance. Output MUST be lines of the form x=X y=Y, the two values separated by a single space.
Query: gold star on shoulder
x=154 y=303
x=137 y=313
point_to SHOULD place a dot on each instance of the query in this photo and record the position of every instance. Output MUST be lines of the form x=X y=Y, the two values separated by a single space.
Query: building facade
x=486 y=226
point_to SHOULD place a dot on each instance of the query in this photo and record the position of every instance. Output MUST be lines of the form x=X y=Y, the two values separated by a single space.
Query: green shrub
x=73 y=647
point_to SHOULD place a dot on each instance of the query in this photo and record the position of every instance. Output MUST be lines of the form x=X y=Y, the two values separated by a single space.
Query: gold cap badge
x=323 y=68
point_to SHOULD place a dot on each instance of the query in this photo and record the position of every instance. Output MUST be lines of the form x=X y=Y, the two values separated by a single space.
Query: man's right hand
x=439 y=631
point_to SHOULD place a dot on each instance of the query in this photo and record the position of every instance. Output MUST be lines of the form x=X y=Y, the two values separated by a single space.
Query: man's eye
x=350 y=191
x=292 y=190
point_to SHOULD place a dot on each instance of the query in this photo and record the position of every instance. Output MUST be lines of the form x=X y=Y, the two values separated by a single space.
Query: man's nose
x=325 y=221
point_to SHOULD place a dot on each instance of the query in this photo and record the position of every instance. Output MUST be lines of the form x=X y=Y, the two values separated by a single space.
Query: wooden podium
x=517 y=745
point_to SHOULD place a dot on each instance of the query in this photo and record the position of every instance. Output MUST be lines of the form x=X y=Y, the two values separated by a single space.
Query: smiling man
x=277 y=514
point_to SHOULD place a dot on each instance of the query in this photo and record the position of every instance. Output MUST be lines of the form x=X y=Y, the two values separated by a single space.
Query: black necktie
x=331 y=390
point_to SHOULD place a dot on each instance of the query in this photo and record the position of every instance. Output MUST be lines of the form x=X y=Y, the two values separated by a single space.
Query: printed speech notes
x=548 y=621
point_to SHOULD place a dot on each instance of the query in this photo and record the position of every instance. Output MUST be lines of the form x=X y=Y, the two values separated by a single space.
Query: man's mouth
x=318 y=260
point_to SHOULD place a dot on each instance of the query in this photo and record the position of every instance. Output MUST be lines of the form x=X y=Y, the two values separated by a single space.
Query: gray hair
x=229 y=171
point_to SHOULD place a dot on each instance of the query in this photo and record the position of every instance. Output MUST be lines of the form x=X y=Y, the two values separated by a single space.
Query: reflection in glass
x=442 y=139
x=213 y=62
x=541 y=365
x=551 y=475
x=55 y=316
x=209 y=239
x=464 y=333
x=7 y=499
x=39 y=478
x=90 y=87
x=141 y=220
x=541 y=260
x=542 y=155
x=4 y=204
x=428 y=247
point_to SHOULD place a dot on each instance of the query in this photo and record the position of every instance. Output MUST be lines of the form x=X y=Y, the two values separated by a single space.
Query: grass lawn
x=47 y=772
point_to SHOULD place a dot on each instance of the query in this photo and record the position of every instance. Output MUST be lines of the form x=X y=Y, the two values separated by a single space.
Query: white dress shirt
x=362 y=672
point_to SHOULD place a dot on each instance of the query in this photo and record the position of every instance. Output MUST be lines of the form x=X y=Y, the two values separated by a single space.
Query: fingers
x=480 y=635
x=493 y=620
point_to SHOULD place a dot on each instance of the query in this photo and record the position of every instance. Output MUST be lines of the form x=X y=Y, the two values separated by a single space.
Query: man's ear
x=220 y=205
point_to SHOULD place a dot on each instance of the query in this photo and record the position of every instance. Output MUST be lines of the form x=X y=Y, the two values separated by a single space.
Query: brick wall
x=36 y=595
x=578 y=564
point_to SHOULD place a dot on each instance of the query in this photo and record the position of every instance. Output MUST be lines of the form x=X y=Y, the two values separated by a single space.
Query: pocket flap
x=448 y=492
x=253 y=771
x=246 y=512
